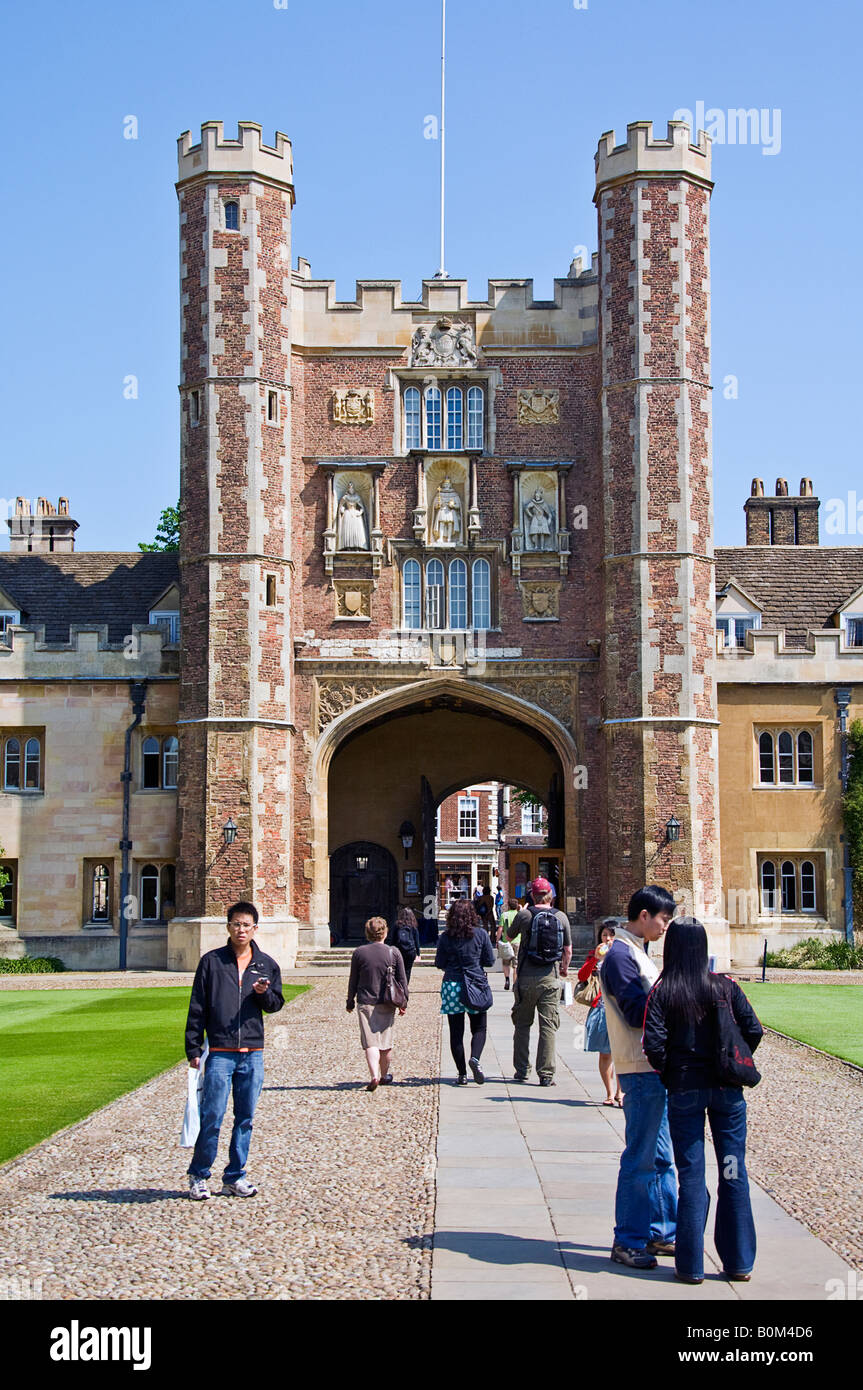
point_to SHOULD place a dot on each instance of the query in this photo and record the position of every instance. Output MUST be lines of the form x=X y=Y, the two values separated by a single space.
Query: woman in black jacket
x=681 y=1043
x=464 y=948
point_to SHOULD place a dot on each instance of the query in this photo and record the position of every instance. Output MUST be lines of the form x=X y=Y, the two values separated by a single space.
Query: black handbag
x=734 y=1062
x=393 y=991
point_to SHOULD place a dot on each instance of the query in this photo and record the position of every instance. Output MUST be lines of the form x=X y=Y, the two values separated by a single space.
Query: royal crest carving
x=540 y=601
x=335 y=697
x=443 y=344
x=538 y=407
x=354 y=405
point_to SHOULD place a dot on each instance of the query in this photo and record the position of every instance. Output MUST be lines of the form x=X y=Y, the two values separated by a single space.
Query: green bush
x=32 y=965
x=813 y=954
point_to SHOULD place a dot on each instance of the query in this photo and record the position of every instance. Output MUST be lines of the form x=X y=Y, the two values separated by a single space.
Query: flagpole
x=442 y=275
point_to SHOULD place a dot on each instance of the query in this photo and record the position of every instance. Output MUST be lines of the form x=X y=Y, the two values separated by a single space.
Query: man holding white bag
x=234 y=987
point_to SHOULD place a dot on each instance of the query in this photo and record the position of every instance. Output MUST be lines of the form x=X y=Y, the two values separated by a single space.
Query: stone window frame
x=196 y=407
x=162 y=738
x=272 y=395
x=774 y=732
x=25 y=737
x=160 y=865
x=9 y=910
x=91 y=863
x=445 y=556
x=798 y=860
x=752 y=623
x=401 y=379
x=227 y=200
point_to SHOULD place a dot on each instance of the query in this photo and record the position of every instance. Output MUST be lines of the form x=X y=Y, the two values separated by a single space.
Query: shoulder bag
x=393 y=991
x=734 y=1063
x=586 y=991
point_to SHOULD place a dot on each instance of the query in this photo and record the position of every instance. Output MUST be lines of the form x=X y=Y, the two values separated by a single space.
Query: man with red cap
x=543 y=957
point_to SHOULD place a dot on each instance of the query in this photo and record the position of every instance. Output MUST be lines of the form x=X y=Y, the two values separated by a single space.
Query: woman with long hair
x=463 y=950
x=681 y=1042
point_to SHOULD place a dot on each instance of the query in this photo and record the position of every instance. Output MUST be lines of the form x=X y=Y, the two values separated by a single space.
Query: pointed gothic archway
x=370 y=763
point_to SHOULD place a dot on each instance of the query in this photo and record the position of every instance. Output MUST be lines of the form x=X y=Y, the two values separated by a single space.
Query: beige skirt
x=376 y=1025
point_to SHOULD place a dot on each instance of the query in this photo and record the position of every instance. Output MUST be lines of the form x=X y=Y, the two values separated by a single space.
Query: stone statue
x=422 y=351
x=351 y=527
x=446 y=522
x=539 y=522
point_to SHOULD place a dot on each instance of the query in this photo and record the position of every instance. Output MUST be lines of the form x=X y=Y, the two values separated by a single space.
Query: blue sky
x=90 y=231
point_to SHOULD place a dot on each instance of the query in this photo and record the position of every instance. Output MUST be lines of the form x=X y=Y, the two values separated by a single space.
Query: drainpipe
x=138 y=696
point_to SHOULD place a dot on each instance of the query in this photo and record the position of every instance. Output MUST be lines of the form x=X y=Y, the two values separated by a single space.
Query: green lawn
x=65 y=1052
x=826 y=1016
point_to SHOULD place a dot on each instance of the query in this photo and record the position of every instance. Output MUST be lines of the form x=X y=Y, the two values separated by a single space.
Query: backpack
x=545 y=942
x=405 y=938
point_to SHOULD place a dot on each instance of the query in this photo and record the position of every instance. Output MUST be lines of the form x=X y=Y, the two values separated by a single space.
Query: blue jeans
x=224 y=1072
x=646 y=1204
x=734 y=1231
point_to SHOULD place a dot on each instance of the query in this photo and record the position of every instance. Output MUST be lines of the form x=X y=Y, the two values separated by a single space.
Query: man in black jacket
x=234 y=987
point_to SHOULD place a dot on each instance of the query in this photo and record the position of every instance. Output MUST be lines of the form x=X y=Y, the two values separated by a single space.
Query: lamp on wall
x=229 y=832
x=672 y=830
x=362 y=862
x=406 y=835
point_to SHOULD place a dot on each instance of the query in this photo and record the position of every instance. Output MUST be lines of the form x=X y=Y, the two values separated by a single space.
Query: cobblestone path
x=346 y=1202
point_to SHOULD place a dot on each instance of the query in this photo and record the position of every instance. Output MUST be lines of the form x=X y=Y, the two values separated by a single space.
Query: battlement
x=24 y=654
x=379 y=318
x=245 y=157
x=643 y=155
x=766 y=660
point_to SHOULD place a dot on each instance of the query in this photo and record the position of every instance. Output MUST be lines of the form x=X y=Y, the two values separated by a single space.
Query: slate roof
x=797 y=587
x=87 y=587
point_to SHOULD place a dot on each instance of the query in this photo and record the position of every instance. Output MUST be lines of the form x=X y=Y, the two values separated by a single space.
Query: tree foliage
x=167 y=531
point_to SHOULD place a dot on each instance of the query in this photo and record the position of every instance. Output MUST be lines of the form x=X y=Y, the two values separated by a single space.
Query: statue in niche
x=446 y=522
x=539 y=522
x=351 y=521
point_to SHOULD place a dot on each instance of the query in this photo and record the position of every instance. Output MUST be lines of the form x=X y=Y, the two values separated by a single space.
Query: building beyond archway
x=394 y=767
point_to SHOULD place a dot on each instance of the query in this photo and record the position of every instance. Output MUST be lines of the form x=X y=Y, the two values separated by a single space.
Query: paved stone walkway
x=525 y=1193
x=514 y=1183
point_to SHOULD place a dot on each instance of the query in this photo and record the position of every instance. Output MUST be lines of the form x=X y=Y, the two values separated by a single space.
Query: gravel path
x=346 y=1207
x=805 y=1141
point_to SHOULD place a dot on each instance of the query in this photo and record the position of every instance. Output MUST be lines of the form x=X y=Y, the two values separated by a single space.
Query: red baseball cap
x=542 y=885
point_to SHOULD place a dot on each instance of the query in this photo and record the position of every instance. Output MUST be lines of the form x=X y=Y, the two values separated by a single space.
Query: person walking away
x=646 y=1202
x=681 y=1041
x=485 y=911
x=371 y=966
x=596 y=1028
x=234 y=986
x=464 y=952
x=505 y=951
x=406 y=938
x=543 y=958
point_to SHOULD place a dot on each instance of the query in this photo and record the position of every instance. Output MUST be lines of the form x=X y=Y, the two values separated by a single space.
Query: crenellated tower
x=660 y=714
x=235 y=724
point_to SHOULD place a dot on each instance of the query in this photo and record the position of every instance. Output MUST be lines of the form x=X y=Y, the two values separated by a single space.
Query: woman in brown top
x=369 y=966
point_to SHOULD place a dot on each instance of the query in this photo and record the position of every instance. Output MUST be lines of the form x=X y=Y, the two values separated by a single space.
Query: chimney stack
x=46 y=530
x=782 y=519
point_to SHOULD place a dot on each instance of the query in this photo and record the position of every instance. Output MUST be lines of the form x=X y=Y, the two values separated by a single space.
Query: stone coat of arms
x=443 y=344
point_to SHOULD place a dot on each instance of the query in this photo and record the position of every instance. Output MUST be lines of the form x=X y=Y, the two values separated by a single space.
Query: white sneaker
x=198 y=1189
x=241 y=1188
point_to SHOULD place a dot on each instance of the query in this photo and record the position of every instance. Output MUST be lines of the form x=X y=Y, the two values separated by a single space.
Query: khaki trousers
x=535 y=994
